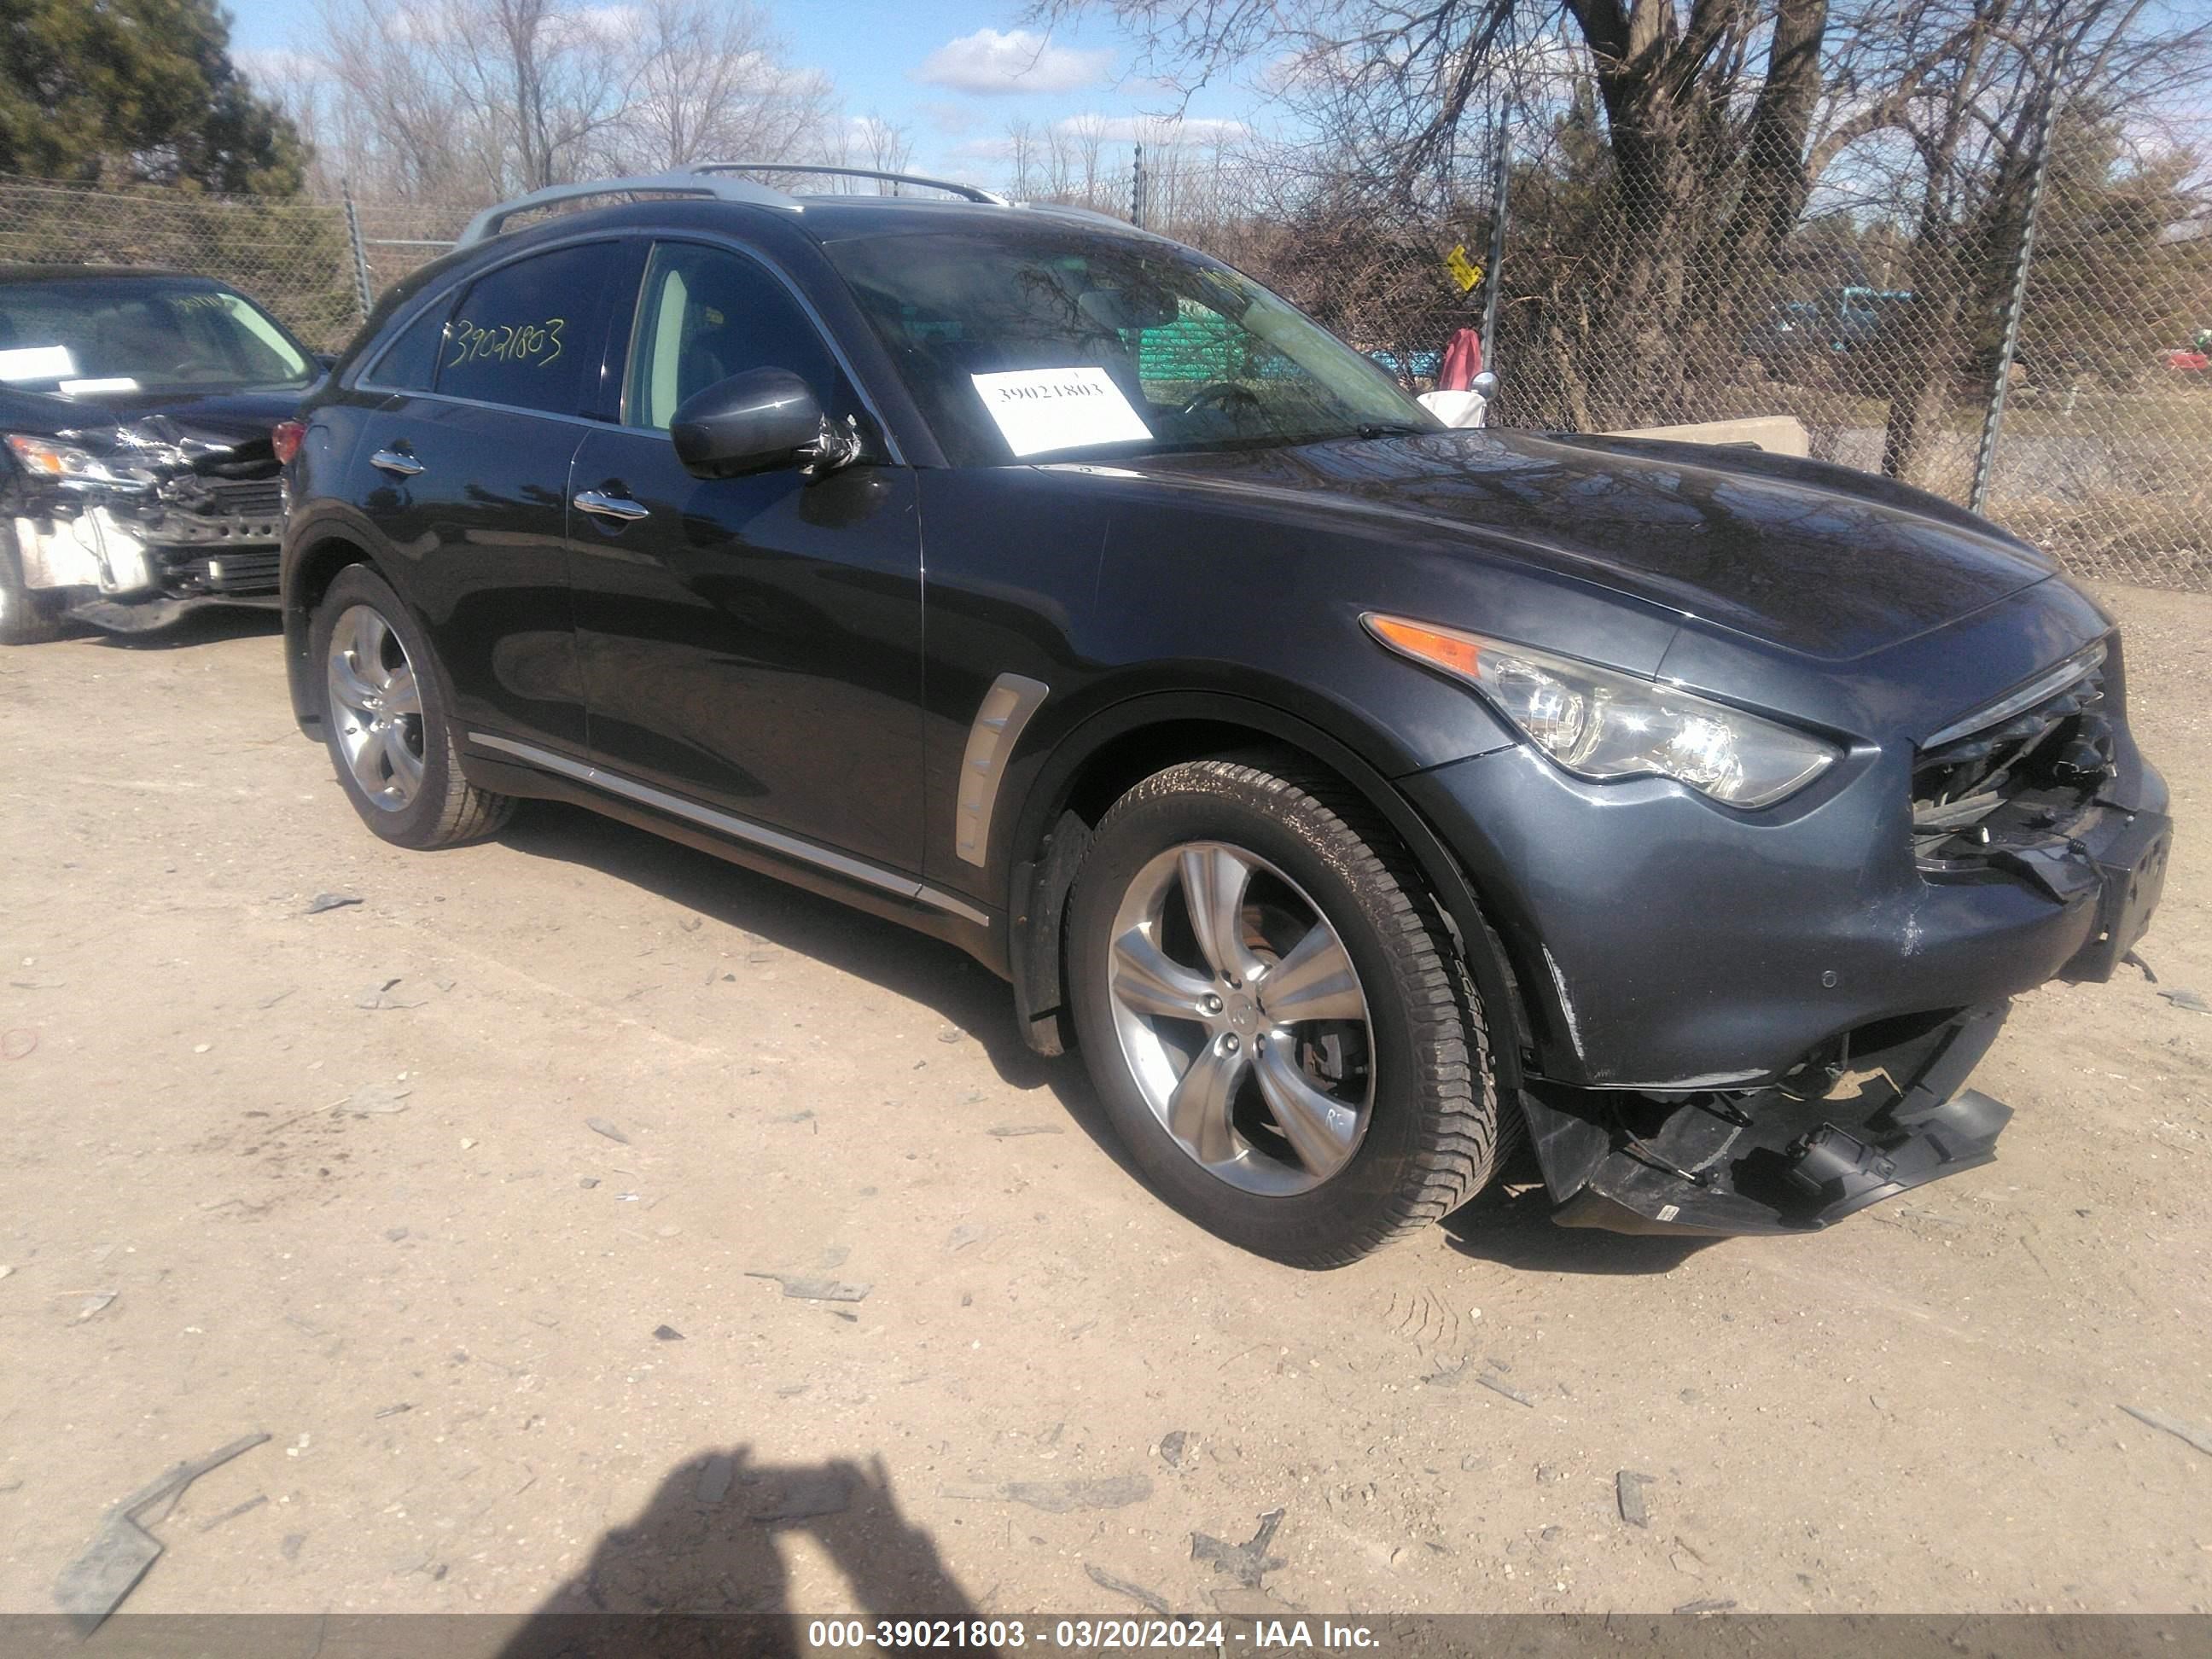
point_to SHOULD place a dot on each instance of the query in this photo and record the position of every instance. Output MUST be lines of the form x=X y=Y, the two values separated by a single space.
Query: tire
x=384 y=721
x=26 y=616
x=1401 y=1122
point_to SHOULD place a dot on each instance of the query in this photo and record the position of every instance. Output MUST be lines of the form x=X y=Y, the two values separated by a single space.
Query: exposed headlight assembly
x=1603 y=726
x=59 y=463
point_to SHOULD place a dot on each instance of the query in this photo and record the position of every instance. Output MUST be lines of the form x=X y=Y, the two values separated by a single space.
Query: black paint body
x=808 y=654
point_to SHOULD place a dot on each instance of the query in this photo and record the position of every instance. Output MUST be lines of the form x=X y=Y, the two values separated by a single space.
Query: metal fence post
x=362 y=295
x=1993 y=418
x=1137 y=186
x=1497 y=253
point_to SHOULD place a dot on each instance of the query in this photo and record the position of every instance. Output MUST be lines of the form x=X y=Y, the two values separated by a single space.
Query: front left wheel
x=384 y=721
x=28 y=615
x=1273 y=1013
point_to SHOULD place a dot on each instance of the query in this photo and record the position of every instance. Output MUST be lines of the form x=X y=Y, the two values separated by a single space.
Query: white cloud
x=988 y=65
x=273 y=69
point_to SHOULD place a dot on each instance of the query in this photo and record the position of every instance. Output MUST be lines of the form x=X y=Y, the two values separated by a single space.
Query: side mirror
x=1486 y=386
x=756 y=421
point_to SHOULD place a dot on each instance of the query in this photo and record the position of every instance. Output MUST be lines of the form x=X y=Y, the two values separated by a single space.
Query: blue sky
x=946 y=68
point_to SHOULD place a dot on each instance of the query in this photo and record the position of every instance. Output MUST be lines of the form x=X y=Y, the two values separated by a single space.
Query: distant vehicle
x=1353 y=791
x=137 y=477
x=1838 y=320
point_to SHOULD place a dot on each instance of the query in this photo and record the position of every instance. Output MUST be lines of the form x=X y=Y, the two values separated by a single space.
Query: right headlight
x=59 y=463
x=1603 y=726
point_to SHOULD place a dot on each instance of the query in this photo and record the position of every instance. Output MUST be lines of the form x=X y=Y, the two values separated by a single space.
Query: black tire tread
x=1461 y=1143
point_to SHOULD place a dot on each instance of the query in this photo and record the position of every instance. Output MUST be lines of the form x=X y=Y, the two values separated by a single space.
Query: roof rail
x=966 y=192
x=699 y=178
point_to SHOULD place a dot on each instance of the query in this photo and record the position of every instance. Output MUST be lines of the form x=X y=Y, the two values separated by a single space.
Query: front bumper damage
x=1888 y=1116
x=132 y=558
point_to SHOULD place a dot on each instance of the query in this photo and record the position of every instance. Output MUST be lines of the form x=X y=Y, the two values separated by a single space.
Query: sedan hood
x=1815 y=558
x=239 y=420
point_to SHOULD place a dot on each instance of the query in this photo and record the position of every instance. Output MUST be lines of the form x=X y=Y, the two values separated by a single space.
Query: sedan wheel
x=376 y=709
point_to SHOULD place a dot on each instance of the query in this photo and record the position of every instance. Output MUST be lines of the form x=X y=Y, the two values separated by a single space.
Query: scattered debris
x=380 y=996
x=1061 y=1497
x=587 y=1181
x=1499 y=1385
x=96 y=1302
x=1173 y=1444
x=1016 y=1131
x=94 y=1585
x=599 y=1126
x=2199 y=1437
x=807 y=1495
x=1244 y=1562
x=374 y=1100
x=235 y=1510
x=1137 y=1593
x=801 y=1287
x=689 y=924
x=834 y=1257
x=666 y=1334
x=394 y=1411
x=1696 y=1607
x=293 y=1544
x=2188 y=999
x=17 y=1044
x=714 y=1477
x=1628 y=1491
x=269 y=1002
x=950 y=1034
x=395 y=1234
x=323 y=901
x=962 y=1235
x=800 y=1116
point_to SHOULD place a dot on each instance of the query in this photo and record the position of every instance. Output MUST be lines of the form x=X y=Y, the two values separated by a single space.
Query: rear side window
x=709 y=313
x=410 y=363
x=529 y=334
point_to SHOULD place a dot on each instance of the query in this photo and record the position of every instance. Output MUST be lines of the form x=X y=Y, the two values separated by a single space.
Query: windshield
x=111 y=334
x=1056 y=343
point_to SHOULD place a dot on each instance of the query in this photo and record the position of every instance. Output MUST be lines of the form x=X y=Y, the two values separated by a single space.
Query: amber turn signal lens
x=1457 y=654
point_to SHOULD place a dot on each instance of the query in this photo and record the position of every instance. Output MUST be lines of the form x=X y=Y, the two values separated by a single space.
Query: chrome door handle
x=605 y=506
x=396 y=461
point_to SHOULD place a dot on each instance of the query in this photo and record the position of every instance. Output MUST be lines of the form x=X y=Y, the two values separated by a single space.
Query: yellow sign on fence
x=1464 y=271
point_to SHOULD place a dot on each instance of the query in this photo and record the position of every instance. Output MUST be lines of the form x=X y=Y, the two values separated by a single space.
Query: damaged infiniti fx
x=1356 y=793
x=137 y=478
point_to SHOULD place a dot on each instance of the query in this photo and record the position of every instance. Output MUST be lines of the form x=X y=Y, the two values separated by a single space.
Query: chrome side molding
x=738 y=829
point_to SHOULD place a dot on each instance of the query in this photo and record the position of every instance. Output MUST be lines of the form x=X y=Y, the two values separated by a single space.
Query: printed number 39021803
x=537 y=343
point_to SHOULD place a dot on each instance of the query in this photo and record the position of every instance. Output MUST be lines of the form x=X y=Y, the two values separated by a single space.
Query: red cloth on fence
x=1462 y=361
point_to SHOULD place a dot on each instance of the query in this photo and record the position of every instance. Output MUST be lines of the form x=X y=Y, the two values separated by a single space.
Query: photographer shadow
x=699 y=1570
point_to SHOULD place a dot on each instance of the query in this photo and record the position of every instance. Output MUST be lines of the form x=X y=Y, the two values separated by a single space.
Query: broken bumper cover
x=127 y=570
x=1894 y=1116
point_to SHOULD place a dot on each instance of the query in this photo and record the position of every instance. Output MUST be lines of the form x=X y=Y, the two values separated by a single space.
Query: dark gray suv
x=1355 y=792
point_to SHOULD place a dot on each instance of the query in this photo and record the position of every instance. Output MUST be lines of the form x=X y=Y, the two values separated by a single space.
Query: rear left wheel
x=384 y=722
x=1269 y=1004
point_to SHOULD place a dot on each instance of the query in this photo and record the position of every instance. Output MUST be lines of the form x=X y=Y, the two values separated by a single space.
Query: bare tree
x=709 y=82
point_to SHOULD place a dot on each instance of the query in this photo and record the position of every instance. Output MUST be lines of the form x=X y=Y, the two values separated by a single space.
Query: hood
x=1814 y=558
x=238 y=420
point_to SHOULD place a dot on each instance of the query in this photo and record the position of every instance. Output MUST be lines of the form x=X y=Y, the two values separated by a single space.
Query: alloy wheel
x=376 y=707
x=1241 y=1018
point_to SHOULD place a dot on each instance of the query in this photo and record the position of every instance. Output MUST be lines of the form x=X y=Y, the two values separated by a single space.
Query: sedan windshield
x=1058 y=342
x=122 y=334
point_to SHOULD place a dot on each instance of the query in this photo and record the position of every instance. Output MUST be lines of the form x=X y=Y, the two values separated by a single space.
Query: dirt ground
x=511 y=1361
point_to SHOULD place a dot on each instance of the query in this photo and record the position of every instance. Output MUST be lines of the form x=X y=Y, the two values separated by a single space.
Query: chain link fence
x=1885 y=338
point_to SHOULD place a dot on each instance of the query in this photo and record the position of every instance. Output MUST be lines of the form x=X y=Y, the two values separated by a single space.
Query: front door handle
x=396 y=461
x=602 y=505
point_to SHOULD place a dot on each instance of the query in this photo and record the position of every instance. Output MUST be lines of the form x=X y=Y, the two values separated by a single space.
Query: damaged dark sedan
x=137 y=478
x=1356 y=793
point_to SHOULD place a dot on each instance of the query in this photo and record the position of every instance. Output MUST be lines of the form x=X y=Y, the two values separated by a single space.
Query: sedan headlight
x=60 y=463
x=1601 y=724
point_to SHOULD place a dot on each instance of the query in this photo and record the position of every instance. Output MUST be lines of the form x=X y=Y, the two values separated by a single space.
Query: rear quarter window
x=529 y=335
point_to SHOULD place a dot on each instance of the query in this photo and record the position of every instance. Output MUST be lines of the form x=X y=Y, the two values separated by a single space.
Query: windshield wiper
x=1390 y=430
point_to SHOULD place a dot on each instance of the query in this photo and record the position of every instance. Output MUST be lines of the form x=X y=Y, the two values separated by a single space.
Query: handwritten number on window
x=535 y=343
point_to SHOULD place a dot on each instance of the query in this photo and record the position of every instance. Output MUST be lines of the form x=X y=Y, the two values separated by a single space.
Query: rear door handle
x=396 y=461
x=604 y=506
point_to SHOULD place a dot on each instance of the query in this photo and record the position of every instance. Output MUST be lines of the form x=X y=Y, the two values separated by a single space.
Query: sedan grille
x=256 y=498
x=2017 y=775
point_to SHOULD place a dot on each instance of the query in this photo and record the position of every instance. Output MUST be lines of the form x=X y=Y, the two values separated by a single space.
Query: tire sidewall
x=415 y=824
x=1349 y=1202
